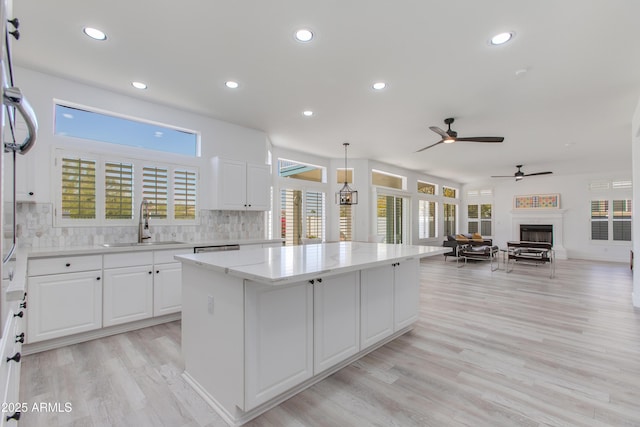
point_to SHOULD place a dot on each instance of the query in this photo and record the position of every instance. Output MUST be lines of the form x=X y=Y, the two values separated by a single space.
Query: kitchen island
x=260 y=326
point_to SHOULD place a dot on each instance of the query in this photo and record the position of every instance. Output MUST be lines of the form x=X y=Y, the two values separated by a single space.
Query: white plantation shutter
x=314 y=214
x=78 y=188
x=118 y=190
x=426 y=219
x=155 y=183
x=184 y=194
x=346 y=223
x=622 y=220
x=599 y=220
x=291 y=216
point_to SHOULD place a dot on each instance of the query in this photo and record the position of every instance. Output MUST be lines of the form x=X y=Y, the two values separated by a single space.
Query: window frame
x=138 y=165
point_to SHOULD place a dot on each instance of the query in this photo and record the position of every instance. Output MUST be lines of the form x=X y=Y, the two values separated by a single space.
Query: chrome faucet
x=143 y=225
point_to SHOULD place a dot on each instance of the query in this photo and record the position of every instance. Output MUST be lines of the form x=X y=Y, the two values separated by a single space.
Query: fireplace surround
x=553 y=217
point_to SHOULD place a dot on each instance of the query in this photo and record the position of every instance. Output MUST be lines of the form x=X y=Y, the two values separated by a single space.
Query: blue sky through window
x=116 y=130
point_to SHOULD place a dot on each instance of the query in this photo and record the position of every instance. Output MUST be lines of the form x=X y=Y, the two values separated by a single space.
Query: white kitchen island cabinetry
x=258 y=326
x=240 y=185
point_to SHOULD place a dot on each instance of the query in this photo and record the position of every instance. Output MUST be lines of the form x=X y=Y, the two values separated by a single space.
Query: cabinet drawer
x=57 y=265
x=128 y=259
x=166 y=256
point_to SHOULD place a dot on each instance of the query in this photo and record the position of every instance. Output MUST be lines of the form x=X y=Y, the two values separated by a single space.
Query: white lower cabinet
x=64 y=304
x=278 y=339
x=376 y=308
x=167 y=288
x=336 y=319
x=407 y=293
x=128 y=294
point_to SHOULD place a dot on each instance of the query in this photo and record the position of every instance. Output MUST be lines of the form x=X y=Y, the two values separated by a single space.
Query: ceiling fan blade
x=429 y=146
x=482 y=139
x=439 y=131
x=538 y=173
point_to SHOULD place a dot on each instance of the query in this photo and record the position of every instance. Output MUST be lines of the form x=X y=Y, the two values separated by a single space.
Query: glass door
x=391 y=218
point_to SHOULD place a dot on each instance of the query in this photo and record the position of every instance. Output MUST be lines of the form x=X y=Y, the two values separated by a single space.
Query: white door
x=167 y=289
x=278 y=339
x=336 y=311
x=128 y=294
x=64 y=304
x=407 y=293
x=258 y=187
x=376 y=307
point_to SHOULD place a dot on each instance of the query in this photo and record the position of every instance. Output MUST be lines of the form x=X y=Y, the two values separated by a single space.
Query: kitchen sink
x=124 y=245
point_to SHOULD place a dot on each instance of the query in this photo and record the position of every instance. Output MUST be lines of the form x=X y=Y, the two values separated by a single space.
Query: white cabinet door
x=128 y=294
x=336 y=319
x=278 y=339
x=376 y=307
x=64 y=304
x=232 y=185
x=407 y=293
x=258 y=187
x=167 y=289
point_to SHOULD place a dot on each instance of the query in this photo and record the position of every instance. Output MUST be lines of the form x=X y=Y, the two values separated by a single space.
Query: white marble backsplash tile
x=35 y=228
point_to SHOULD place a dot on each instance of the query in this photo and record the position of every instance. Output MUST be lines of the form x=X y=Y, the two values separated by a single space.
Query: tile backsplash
x=35 y=228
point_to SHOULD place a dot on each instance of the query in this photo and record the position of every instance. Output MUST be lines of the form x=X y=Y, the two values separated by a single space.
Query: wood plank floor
x=490 y=349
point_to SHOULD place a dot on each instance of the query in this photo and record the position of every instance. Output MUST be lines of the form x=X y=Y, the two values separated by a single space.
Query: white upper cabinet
x=239 y=185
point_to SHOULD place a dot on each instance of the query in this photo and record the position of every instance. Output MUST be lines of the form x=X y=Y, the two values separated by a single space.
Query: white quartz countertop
x=100 y=249
x=295 y=263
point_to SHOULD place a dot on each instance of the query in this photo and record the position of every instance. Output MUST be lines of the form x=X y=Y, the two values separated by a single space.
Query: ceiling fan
x=519 y=174
x=451 y=136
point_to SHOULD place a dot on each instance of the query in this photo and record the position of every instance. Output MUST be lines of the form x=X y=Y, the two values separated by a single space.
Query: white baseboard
x=37 y=347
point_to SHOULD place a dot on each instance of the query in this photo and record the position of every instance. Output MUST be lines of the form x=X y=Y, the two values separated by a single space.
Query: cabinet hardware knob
x=320 y=280
x=312 y=281
x=20 y=314
x=23 y=304
x=24 y=297
x=15 y=416
x=31 y=193
x=20 y=338
x=151 y=272
x=97 y=278
x=16 y=358
x=67 y=264
x=157 y=271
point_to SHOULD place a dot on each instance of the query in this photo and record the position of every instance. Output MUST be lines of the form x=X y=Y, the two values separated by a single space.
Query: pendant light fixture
x=346 y=196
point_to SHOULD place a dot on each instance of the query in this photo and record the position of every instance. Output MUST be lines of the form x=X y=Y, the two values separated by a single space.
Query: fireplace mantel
x=552 y=216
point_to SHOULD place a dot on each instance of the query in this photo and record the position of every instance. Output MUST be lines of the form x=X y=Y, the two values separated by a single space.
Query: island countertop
x=287 y=264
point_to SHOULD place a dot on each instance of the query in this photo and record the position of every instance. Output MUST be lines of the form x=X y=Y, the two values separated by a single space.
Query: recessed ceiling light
x=304 y=35
x=94 y=33
x=379 y=85
x=139 y=85
x=231 y=84
x=501 y=38
x=307 y=113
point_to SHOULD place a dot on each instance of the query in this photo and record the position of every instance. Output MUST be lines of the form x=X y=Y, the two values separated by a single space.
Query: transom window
x=86 y=124
x=449 y=192
x=296 y=170
x=389 y=180
x=426 y=188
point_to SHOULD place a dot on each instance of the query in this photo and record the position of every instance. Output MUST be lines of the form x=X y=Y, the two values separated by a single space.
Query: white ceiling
x=569 y=113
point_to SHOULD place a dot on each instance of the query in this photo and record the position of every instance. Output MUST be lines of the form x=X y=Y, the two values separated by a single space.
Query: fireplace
x=536 y=233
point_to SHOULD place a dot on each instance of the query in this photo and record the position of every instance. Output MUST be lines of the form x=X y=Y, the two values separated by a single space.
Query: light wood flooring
x=490 y=349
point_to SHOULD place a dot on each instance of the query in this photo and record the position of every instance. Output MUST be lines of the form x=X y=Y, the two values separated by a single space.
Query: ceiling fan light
x=449 y=141
x=519 y=178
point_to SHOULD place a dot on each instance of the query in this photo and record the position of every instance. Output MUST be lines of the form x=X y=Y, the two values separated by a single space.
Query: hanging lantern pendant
x=346 y=196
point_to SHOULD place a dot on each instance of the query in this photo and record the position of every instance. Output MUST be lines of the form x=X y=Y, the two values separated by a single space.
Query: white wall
x=635 y=227
x=218 y=138
x=575 y=197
